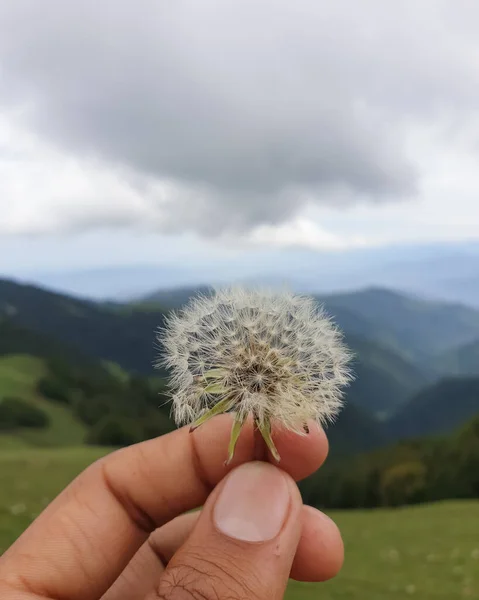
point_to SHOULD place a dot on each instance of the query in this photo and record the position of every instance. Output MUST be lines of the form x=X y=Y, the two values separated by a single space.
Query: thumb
x=245 y=540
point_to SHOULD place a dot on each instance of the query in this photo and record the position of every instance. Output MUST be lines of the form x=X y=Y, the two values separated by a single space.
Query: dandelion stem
x=260 y=450
x=264 y=441
x=265 y=430
x=235 y=433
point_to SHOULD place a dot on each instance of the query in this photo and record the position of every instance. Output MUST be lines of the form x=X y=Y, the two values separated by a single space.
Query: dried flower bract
x=274 y=356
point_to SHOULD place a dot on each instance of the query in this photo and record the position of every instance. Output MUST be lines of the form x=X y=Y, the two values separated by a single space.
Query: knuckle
x=213 y=577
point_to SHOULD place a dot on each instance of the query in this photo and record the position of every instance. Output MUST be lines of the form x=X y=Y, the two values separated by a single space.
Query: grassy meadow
x=427 y=552
x=19 y=375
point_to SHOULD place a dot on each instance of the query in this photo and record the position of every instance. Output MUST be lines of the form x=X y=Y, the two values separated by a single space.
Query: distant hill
x=357 y=325
x=121 y=335
x=356 y=430
x=418 y=327
x=175 y=297
x=384 y=379
x=437 y=409
x=15 y=339
x=440 y=271
x=121 y=283
x=458 y=289
x=347 y=319
x=124 y=334
x=462 y=360
x=448 y=274
x=465 y=288
x=42 y=324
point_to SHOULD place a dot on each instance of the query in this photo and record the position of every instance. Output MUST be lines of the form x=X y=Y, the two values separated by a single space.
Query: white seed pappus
x=276 y=356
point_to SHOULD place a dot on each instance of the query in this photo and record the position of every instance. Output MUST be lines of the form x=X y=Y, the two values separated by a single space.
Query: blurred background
x=150 y=150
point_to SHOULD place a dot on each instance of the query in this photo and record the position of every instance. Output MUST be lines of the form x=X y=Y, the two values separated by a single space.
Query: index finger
x=89 y=533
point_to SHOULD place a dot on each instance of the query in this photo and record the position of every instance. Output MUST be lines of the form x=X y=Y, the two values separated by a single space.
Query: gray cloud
x=248 y=109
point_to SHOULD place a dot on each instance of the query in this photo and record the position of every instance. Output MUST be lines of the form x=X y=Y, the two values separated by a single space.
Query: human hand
x=118 y=532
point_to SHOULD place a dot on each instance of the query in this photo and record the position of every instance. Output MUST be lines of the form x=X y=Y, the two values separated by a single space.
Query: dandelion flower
x=276 y=357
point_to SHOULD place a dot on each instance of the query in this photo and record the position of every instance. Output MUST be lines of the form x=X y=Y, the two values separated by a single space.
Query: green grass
x=428 y=552
x=18 y=377
x=116 y=371
x=19 y=374
x=30 y=479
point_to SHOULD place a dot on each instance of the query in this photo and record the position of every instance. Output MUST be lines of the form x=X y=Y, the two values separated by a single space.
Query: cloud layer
x=222 y=115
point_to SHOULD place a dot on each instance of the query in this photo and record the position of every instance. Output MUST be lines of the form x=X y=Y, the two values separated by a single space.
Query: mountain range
x=401 y=346
x=416 y=327
x=437 y=409
x=447 y=272
x=424 y=331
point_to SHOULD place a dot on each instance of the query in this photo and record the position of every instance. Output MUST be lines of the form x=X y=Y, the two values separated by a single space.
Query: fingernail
x=253 y=504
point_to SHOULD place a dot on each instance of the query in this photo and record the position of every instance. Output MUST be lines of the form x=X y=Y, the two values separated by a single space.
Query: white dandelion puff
x=277 y=357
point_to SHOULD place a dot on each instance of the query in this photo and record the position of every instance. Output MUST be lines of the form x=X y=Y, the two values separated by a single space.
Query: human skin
x=119 y=531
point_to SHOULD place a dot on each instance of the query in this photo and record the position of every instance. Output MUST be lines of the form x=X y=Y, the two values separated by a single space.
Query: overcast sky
x=215 y=125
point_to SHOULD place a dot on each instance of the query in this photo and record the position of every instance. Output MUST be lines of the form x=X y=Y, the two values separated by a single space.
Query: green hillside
x=81 y=400
x=439 y=408
x=83 y=403
x=384 y=378
x=412 y=471
x=354 y=431
x=99 y=332
x=100 y=344
x=462 y=360
x=124 y=335
x=19 y=375
x=16 y=339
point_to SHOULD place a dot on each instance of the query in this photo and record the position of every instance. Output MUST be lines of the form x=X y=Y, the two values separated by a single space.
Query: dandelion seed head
x=277 y=356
